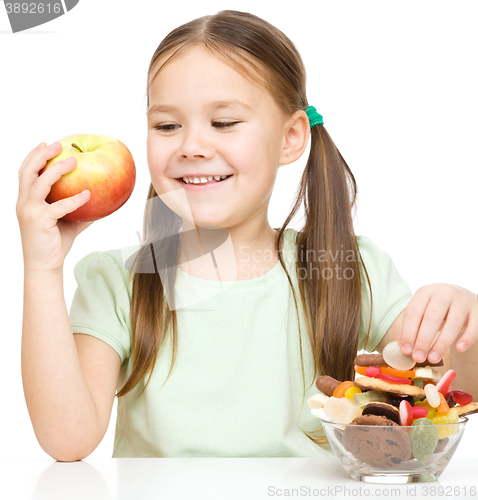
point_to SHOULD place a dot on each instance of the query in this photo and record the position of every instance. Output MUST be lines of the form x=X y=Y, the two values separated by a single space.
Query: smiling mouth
x=203 y=183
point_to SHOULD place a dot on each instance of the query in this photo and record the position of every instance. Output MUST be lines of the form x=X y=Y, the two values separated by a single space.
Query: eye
x=165 y=127
x=225 y=124
x=171 y=126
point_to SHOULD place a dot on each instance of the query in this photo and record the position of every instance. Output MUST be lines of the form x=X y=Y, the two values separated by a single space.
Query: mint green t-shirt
x=236 y=388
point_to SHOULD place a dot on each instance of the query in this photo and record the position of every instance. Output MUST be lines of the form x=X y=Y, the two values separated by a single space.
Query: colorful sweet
x=394 y=357
x=424 y=437
x=341 y=410
x=392 y=391
x=432 y=395
x=327 y=384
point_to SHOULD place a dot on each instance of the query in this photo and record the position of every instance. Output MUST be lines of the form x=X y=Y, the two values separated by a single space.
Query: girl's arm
x=59 y=401
x=61 y=407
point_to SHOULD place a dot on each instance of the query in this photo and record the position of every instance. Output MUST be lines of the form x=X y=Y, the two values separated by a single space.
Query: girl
x=215 y=328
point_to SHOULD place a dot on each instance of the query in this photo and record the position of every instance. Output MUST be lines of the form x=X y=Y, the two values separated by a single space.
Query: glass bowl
x=386 y=454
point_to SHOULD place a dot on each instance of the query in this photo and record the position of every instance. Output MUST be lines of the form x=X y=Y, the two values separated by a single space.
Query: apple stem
x=76 y=147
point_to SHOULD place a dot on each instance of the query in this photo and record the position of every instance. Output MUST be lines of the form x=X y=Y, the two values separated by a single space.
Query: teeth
x=202 y=180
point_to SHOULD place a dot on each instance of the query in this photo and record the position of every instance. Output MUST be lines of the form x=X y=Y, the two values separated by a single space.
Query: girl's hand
x=449 y=308
x=45 y=239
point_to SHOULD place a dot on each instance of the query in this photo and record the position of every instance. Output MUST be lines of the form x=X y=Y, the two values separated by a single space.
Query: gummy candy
x=374 y=396
x=431 y=411
x=394 y=357
x=433 y=396
x=460 y=397
x=424 y=437
x=397 y=373
x=451 y=418
x=349 y=393
x=341 y=388
x=419 y=411
x=341 y=410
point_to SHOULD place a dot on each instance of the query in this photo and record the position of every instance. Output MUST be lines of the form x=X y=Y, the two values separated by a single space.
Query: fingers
x=32 y=165
x=60 y=208
x=424 y=314
x=454 y=324
x=470 y=335
x=42 y=186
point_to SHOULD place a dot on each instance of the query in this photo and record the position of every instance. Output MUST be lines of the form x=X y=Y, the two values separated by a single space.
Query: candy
x=397 y=373
x=326 y=384
x=360 y=369
x=445 y=382
x=419 y=412
x=341 y=410
x=443 y=407
x=424 y=438
x=427 y=372
x=374 y=396
x=433 y=396
x=393 y=356
x=349 y=393
x=317 y=401
x=431 y=411
x=446 y=430
x=372 y=371
x=341 y=388
x=406 y=413
x=460 y=397
x=394 y=380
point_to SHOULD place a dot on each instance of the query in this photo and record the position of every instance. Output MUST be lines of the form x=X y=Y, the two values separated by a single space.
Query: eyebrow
x=214 y=105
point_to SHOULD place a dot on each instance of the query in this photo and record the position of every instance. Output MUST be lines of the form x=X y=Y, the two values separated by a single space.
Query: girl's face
x=193 y=133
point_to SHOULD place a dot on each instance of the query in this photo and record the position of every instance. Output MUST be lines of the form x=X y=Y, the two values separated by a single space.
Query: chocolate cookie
x=377 y=441
x=381 y=385
x=383 y=409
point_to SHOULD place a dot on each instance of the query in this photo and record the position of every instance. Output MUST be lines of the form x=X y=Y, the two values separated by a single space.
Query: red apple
x=104 y=166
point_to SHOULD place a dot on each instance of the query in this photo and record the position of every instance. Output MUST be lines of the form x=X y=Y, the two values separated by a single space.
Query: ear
x=296 y=136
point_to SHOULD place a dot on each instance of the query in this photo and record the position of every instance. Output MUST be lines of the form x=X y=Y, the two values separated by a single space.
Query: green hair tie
x=314 y=117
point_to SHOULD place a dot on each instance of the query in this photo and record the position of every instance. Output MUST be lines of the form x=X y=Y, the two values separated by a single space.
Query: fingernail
x=461 y=346
x=433 y=357
x=419 y=356
x=406 y=348
x=69 y=159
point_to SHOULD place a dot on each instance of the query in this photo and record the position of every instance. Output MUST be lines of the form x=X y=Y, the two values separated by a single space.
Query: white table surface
x=214 y=478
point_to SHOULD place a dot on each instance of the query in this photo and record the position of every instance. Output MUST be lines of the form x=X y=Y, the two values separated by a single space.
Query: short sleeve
x=390 y=293
x=101 y=303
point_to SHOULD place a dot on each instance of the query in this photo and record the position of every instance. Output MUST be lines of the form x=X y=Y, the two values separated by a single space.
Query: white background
x=395 y=82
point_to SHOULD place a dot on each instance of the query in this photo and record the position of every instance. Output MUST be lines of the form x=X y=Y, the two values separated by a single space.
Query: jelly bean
x=394 y=380
x=451 y=418
x=393 y=356
x=341 y=388
x=433 y=396
x=424 y=437
x=372 y=371
x=419 y=412
x=431 y=411
x=349 y=393
x=397 y=373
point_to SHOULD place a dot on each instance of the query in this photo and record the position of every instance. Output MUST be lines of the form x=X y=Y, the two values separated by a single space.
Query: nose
x=195 y=145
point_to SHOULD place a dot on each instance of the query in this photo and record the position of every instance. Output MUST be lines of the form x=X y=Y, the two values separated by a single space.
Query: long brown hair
x=331 y=304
